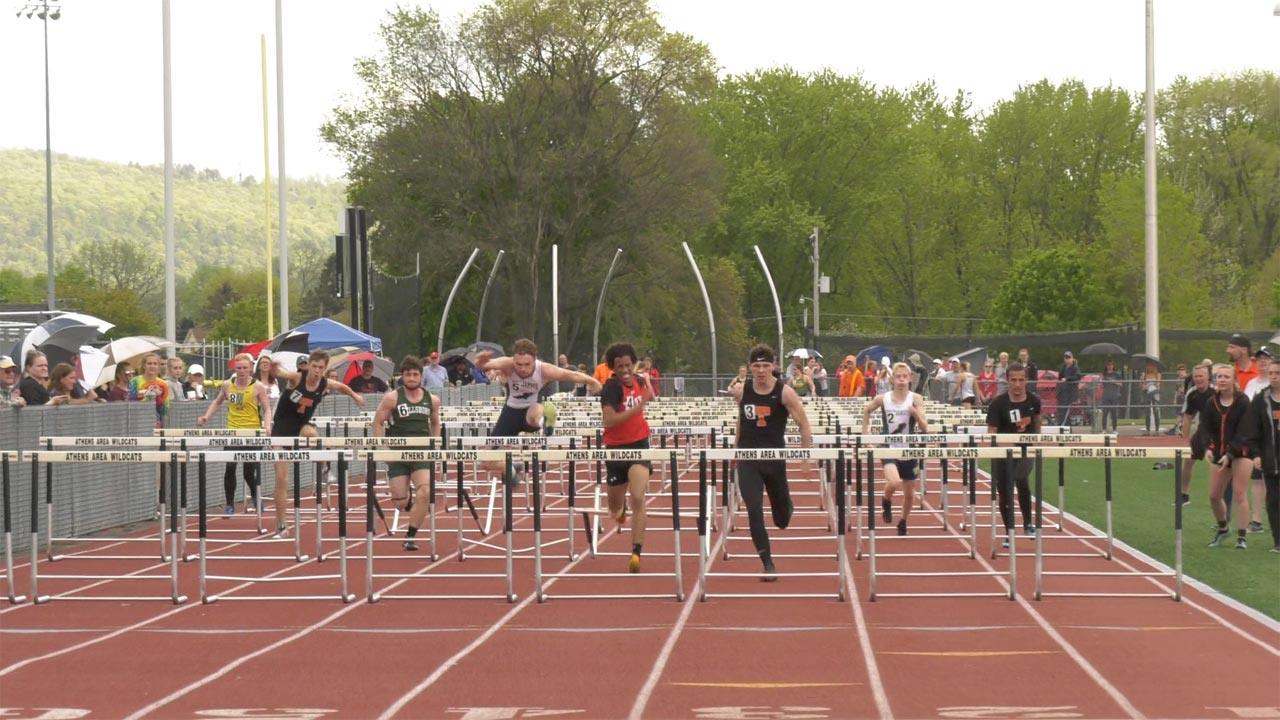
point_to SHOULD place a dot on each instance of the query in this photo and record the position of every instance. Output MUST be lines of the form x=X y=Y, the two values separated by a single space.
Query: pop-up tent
x=325 y=333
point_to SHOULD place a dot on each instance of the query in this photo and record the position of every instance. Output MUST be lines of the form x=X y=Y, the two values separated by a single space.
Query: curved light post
x=711 y=318
x=595 y=334
x=46 y=10
x=444 y=317
x=484 y=299
x=777 y=307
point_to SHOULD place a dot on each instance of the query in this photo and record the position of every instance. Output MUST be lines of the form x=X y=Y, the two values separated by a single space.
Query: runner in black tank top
x=764 y=405
x=298 y=403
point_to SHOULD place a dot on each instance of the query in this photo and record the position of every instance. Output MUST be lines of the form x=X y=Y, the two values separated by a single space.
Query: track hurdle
x=6 y=479
x=944 y=455
x=1107 y=454
x=772 y=454
x=541 y=580
x=170 y=459
x=443 y=457
x=295 y=457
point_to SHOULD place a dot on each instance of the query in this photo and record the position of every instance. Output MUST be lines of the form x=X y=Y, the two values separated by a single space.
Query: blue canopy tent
x=875 y=351
x=325 y=333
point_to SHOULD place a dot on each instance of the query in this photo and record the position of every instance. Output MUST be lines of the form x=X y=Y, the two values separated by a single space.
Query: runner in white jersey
x=526 y=375
x=902 y=412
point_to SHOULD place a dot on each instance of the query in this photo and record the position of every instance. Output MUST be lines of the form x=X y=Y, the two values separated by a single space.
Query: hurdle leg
x=5 y=478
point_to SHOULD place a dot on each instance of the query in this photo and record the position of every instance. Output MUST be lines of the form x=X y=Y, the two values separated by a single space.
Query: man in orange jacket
x=851 y=381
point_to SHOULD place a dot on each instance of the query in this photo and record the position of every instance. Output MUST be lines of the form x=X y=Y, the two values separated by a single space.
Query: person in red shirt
x=622 y=402
x=655 y=377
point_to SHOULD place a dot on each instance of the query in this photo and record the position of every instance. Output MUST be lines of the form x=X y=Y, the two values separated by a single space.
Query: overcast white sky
x=106 y=61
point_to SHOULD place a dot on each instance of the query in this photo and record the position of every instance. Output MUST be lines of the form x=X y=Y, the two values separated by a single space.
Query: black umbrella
x=452 y=354
x=924 y=360
x=65 y=333
x=1139 y=362
x=475 y=348
x=291 y=341
x=1102 y=348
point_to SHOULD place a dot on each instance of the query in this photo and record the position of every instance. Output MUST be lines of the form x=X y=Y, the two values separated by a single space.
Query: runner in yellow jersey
x=248 y=408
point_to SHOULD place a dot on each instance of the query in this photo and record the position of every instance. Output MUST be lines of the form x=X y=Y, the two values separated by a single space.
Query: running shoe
x=1255 y=526
x=634 y=565
x=1005 y=544
x=515 y=479
x=1276 y=549
x=902 y=527
x=888 y=510
x=410 y=545
x=229 y=511
x=1241 y=544
x=1030 y=531
x=252 y=506
x=770 y=572
x=1185 y=499
x=282 y=531
x=1219 y=536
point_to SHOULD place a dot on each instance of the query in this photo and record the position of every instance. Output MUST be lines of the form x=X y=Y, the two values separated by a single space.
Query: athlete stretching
x=525 y=375
x=412 y=412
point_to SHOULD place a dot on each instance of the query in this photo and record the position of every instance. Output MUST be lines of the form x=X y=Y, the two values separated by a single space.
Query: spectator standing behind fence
x=869 y=371
x=35 y=379
x=150 y=386
x=1151 y=392
x=1111 y=388
x=987 y=383
x=798 y=377
x=819 y=375
x=10 y=396
x=118 y=390
x=434 y=376
x=265 y=372
x=193 y=388
x=64 y=388
x=1002 y=374
x=367 y=382
x=963 y=393
x=1262 y=362
x=655 y=377
x=175 y=367
x=1033 y=371
x=1068 y=385
x=737 y=381
x=1262 y=435
x=1257 y=386
x=919 y=375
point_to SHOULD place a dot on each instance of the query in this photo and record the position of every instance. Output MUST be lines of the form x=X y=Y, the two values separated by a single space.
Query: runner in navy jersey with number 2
x=764 y=404
x=622 y=403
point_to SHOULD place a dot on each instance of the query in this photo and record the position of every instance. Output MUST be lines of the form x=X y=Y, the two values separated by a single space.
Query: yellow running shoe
x=634 y=566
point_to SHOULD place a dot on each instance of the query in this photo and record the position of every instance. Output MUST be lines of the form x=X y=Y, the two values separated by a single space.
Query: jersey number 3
x=759 y=413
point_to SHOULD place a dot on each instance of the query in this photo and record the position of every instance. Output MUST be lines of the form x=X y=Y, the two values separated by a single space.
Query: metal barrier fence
x=91 y=498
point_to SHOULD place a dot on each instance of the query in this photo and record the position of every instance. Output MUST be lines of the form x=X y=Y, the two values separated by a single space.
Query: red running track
x=726 y=658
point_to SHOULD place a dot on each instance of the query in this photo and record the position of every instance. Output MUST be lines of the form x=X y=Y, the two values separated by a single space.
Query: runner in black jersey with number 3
x=764 y=404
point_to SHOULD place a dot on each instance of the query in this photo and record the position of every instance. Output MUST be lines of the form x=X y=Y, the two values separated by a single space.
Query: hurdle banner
x=52 y=442
x=206 y=432
x=445 y=456
x=374 y=442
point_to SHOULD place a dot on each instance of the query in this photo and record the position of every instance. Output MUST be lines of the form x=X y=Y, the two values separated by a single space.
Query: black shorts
x=1197 y=447
x=512 y=422
x=287 y=428
x=906 y=468
x=616 y=473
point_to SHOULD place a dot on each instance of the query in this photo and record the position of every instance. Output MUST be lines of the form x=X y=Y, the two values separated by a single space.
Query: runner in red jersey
x=622 y=403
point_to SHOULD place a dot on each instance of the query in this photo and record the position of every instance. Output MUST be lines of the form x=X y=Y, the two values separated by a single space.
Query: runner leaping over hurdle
x=902 y=413
x=525 y=375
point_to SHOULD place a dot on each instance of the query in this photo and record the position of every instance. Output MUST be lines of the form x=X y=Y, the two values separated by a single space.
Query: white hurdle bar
x=170 y=459
x=774 y=454
x=443 y=457
x=604 y=455
x=1002 y=453
x=341 y=459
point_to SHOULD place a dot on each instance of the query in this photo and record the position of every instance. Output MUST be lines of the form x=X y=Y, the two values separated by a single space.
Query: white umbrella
x=288 y=359
x=129 y=349
x=91 y=367
x=65 y=333
x=805 y=353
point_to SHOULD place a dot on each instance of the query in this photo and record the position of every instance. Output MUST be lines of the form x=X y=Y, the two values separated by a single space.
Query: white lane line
x=459 y=656
x=1128 y=708
x=874 y=680
x=1268 y=622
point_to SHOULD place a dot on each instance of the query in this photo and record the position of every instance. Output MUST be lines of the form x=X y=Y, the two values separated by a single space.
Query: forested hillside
x=94 y=201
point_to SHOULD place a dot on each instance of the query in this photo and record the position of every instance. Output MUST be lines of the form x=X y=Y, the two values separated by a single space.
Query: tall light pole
x=817 y=281
x=1149 y=151
x=46 y=10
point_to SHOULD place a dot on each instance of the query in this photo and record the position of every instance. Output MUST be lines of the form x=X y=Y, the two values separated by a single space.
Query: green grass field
x=1143 y=517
